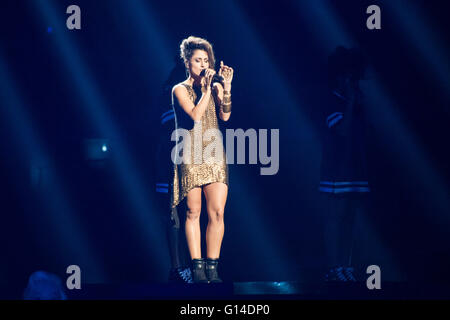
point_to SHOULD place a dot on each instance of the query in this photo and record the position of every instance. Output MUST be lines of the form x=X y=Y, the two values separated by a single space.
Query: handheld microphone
x=216 y=77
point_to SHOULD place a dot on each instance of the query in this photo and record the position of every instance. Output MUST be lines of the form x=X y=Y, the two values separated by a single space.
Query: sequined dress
x=207 y=160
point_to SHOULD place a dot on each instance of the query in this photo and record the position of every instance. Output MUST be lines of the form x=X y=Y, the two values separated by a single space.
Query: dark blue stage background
x=59 y=88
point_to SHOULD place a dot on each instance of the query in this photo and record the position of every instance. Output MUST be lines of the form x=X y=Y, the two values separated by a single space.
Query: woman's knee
x=193 y=213
x=193 y=204
x=216 y=213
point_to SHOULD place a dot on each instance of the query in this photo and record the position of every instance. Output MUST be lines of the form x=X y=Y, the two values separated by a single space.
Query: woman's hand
x=227 y=73
x=207 y=78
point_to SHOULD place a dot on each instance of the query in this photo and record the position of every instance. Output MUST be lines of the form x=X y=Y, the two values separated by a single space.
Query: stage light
x=96 y=149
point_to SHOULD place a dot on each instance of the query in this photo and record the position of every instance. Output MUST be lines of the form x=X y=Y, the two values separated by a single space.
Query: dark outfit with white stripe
x=344 y=168
x=343 y=180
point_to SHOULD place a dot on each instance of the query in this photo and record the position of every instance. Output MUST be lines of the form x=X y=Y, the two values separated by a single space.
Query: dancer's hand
x=207 y=79
x=227 y=73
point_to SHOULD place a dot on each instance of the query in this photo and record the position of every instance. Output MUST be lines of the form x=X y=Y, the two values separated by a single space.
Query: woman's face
x=198 y=62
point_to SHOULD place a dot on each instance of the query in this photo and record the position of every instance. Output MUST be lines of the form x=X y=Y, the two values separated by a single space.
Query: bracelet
x=226 y=108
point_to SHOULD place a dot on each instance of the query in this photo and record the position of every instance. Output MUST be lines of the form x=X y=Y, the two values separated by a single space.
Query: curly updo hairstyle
x=189 y=45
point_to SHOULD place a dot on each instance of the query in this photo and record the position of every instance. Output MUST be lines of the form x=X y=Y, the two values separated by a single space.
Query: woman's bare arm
x=194 y=111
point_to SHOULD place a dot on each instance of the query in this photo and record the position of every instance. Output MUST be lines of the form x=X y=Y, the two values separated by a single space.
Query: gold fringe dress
x=199 y=171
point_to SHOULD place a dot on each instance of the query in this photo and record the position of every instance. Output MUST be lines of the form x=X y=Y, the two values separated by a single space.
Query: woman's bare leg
x=216 y=197
x=192 y=226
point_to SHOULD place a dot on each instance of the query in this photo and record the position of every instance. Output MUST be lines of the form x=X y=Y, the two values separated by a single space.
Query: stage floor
x=286 y=290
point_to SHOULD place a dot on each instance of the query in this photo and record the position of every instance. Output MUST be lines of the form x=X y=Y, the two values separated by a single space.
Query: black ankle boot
x=198 y=271
x=211 y=270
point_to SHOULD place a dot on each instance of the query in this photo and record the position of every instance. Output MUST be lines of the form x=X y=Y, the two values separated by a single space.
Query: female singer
x=196 y=102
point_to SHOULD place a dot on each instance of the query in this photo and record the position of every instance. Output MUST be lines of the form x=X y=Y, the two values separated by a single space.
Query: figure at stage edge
x=344 y=183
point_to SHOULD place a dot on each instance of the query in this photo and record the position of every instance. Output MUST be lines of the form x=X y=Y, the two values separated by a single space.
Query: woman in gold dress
x=198 y=102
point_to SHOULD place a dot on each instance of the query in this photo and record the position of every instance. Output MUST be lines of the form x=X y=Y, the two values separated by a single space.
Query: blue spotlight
x=95 y=109
x=49 y=29
x=104 y=148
